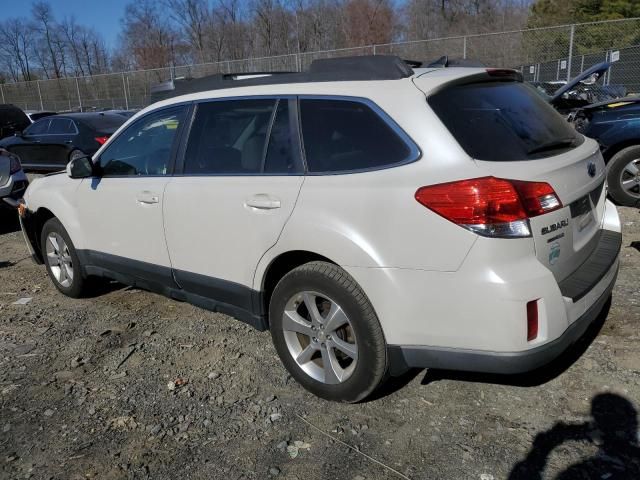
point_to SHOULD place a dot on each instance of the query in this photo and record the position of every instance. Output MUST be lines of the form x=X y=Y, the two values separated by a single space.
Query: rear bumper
x=405 y=357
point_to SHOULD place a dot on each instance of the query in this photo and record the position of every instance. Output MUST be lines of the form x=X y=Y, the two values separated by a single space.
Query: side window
x=38 y=128
x=343 y=135
x=145 y=147
x=280 y=151
x=62 y=126
x=228 y=137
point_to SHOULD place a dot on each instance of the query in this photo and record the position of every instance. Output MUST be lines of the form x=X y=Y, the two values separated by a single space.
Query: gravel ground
x=132 y=385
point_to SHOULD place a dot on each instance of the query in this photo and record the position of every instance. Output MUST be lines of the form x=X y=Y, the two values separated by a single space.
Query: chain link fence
x=551 y=54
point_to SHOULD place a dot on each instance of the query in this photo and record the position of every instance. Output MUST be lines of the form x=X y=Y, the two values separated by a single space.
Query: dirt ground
x=133 y=385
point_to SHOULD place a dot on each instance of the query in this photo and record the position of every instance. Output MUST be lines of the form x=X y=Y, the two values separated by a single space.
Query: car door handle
x=148 y=198
x=263 y=202
x=69 y=142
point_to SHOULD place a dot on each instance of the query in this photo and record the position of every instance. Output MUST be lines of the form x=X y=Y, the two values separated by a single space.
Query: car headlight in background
x=14 y=165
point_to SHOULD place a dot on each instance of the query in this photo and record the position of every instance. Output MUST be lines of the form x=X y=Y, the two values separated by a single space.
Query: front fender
x=55 y=195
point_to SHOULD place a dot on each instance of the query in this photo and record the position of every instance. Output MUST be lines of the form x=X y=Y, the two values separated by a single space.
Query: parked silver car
x=13 y=181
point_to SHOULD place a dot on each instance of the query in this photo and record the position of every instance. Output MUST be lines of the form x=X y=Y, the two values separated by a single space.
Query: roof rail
x=362 y=68
x=445 y=61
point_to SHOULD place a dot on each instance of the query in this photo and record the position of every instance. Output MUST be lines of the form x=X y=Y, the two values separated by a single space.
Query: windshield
x=503 y=121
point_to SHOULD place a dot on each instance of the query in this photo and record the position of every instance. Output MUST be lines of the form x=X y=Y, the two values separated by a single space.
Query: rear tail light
x=102 y=140
x=532 y=320
x=488 y=206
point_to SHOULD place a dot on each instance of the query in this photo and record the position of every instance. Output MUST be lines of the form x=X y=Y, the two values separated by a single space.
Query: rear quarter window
x=503 y=121
x=344 y=136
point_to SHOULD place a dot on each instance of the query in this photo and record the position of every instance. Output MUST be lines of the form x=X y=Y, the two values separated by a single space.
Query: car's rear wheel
x=327 y=334
x=624 y=176
x=75 y=153
x=61 y=259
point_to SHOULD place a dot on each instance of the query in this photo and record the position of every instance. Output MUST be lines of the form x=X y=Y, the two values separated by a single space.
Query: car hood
x=599 y=69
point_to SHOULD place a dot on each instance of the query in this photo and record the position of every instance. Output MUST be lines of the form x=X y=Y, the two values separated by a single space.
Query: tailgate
x=565 y=238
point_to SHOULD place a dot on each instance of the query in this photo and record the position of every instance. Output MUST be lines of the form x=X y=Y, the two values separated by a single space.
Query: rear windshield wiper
x=553 y=145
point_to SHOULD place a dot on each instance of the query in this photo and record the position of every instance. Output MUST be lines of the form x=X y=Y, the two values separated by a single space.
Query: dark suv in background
x=12 y=120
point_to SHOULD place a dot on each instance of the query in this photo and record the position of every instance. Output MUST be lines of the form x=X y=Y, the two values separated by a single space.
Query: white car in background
x=372 y=216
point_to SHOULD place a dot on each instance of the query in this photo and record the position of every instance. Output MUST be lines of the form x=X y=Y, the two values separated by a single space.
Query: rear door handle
x=263 y=201
x=147 y=197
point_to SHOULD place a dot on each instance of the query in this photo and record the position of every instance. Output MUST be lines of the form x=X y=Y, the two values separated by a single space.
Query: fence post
x=464 y=47
x=2 y=91
x=374 y=49
x=39 y=94
x=78 y=92
x=558 y=71
x=569 y=60
x=124 y=88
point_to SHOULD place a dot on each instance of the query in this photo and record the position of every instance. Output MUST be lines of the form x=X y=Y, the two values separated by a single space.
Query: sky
x=102 y=15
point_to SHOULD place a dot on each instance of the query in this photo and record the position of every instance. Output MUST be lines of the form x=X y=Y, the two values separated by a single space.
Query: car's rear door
x=58 y=142
x=121 y=210
x=240 y=177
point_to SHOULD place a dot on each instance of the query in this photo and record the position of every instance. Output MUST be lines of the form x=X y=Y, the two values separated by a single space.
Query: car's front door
x=121 y=210
x=30 y=147
x=228 y=204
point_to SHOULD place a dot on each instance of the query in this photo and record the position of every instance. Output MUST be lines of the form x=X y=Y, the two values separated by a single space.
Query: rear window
x=342 y=136
x=104 y=123
x=503 y=121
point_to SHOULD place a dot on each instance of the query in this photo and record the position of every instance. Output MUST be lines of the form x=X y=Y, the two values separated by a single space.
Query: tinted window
x=342 y=135
x=62 y=126
x=145 y=147
x=228 y=137
x=280 y=157
x=103 y=122
x=38 y=128
x=503 y=121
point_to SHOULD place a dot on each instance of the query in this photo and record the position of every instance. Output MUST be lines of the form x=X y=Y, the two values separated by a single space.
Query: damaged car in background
x=605 y=114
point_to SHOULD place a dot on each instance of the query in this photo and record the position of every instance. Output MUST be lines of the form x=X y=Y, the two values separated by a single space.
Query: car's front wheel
x=327 y=333
x=61 y=259
x=624 y=176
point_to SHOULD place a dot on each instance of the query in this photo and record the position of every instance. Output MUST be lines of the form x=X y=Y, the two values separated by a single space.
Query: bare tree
x=148 y=36
x=15 y=47
x=49 y=52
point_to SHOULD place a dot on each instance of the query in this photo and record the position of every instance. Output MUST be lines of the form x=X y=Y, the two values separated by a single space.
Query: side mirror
x=81 y=167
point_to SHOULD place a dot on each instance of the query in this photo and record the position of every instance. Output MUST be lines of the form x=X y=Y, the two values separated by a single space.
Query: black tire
x=329 y=280
x=75 y=153
x=615 y=169
x=78 y=286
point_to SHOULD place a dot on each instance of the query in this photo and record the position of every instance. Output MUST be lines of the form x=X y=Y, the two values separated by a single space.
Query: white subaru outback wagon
x=372 y=216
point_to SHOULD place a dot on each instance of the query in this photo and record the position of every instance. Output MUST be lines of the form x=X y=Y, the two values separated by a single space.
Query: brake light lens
x=532 y=320
x=490 y=206
x=102 y=140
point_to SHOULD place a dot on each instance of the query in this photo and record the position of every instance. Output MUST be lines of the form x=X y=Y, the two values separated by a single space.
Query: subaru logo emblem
x=591 y=169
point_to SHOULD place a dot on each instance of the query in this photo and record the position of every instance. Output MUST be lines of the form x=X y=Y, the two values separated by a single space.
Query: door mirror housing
x=81 y=167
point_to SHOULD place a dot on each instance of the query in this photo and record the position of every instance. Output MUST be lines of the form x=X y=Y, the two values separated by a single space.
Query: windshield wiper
x=553 y=145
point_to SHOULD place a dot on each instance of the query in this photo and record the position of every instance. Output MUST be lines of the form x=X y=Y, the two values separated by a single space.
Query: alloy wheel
x=320 y=337
x=59 y=259
x=630 y=178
